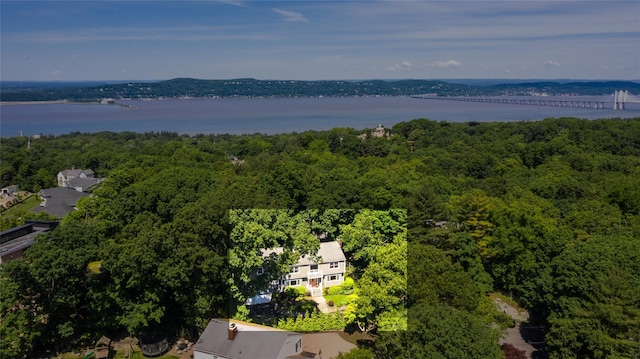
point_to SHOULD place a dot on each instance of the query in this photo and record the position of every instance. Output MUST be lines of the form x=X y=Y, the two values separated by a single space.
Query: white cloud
x=552 y=63
x=291 y=16
x=231 y=2
x=449 y=63
x=404 y=65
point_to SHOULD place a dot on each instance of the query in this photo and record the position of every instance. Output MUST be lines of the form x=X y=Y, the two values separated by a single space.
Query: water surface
x=272 y=115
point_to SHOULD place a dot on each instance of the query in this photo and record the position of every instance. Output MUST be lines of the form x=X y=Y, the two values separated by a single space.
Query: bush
x=296 y=292
x=347 y=285
x=334 y=290
x=315 y=322
x=345 y=288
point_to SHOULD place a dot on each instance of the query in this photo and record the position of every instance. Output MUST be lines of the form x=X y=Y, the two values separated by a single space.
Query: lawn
x=22 y=207
x=339 y=299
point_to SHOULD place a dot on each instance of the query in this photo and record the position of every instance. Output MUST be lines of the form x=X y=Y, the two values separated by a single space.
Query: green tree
x=256 y=230
x=440 y=331
x=381 y=302
x=23 y=311
x=596 y=313
x=369 y=230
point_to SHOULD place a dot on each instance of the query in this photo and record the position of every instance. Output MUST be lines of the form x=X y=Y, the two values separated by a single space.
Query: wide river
x=273 y=115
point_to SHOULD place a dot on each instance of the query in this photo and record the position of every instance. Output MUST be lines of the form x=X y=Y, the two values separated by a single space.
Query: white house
x=80 y=180
x=327 y=272
x=9 y=190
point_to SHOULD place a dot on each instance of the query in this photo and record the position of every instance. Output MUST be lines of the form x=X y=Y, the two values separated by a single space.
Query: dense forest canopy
x=548 y=211
x=187 y=87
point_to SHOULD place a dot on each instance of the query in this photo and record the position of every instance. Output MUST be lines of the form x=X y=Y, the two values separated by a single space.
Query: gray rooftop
x=19 y=243
x=252 y=341
x=327 y=252
x=84 y=183
x=59 y=200
x=76 y=172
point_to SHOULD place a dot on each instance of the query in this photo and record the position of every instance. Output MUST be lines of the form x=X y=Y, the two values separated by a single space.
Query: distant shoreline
x=10 y=103
x=55 y=102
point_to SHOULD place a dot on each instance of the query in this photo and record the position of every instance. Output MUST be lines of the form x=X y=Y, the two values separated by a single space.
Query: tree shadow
x=534 y=336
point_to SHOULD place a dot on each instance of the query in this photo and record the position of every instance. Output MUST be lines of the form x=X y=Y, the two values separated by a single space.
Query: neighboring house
x=58 y=201
x=15 y=241
x=314 y=276
x=235 y=160
x=9 y=190
x=378 y=132
x=232 y=339
x=80 y=180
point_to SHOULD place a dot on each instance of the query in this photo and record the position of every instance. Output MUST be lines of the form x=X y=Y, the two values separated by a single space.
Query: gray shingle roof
x=251 y=341
x=327 y=252
x=84 y=183
x=59 y=200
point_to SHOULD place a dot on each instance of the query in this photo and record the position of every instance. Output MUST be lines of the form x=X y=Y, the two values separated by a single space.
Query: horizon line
x=319 y=80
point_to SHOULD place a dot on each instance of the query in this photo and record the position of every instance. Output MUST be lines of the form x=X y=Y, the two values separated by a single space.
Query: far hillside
x=195 y=88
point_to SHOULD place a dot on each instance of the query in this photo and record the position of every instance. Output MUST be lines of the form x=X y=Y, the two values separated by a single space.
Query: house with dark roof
x=232 y=339
x=327 y=270
x=58 y=201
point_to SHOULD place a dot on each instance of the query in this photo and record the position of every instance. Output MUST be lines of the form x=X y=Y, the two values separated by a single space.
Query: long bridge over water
x=620 y=99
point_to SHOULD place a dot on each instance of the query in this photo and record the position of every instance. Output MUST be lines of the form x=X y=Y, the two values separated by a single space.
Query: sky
x=319 y=40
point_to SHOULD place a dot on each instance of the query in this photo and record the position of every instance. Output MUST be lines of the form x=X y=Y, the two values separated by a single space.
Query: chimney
x=232 y=331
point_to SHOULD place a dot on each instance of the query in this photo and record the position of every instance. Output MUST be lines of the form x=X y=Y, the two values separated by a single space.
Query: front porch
x=314 y=282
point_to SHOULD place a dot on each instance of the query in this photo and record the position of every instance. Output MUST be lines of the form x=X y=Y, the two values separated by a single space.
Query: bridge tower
x=619 y=99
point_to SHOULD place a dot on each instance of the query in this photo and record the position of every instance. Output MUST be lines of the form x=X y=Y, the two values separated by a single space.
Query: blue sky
x=316 y=40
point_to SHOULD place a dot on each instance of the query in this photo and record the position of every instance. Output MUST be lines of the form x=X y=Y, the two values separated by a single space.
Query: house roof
x=20 y=243
x=59 y=200
x=84 y=183
x=327 y=252
x=76 y=173
x=331 y=252
x=251 y=341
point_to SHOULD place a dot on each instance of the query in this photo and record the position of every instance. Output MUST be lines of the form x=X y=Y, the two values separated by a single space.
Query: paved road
x=514 y=336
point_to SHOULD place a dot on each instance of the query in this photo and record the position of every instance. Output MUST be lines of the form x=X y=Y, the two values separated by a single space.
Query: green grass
x=339 y=299
x=22 y=207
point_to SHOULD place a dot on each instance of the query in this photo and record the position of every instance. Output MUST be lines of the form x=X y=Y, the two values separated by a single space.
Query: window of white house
x=313 y=267
x=295 y=269
x=334 y=265
x=260 y=270
x=333 y=277
x=294 y=282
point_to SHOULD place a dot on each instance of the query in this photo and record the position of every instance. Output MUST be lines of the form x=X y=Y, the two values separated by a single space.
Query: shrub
x=315 y=322
x=347 y=285
x=296 y=292
x=334 y=290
